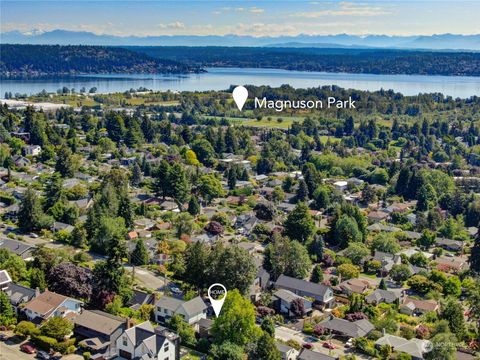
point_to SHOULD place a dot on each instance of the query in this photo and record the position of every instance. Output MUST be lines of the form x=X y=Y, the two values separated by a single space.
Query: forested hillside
x=329 y=60
x=44 y=60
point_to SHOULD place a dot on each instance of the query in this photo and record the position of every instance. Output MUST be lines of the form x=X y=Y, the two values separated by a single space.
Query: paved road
x=10 y=353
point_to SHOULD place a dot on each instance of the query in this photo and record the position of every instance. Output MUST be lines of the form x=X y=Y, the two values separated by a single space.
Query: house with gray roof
x=17 y=247
x=191 y=311
x=313 y=355
x=284 y=299
x=414 y=347
x=382 y=296
x=19 y=294
x=351 y=329
x=99 y=331
x=321 y=293
x=143 y=342
x=5 y=279
x=287 y=352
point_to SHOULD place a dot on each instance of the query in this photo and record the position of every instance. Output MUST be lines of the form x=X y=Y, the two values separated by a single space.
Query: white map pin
x=217 y=303
x=240 y=95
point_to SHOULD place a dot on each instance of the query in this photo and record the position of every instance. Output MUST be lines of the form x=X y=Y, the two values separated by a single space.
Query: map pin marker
x=217 y=302
x=240 y=95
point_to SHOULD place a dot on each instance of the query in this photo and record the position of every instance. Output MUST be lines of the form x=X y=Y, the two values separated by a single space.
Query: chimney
x=37 y=291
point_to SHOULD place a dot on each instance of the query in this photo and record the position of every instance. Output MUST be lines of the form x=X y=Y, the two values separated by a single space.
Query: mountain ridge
x=431 y=42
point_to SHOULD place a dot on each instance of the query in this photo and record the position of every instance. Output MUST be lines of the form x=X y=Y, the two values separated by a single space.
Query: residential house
x=449 y=244
x=19 y=295
x=377 y=216
x=99 y=331
x=351 y=329
x=411 y=306
x=287 y=352
x=5 y=279
x=60 y=226
x=260 y=283
x=204 y=327
x=382 y=296
x=354 y=286
x=146 y=343
x=49 y=304
x=33 y=150
x=140 y=298
x=414 y=347
x=191 y=311
x=313 y=355
x=321 y=293
x=284 y=299
x=17 y=247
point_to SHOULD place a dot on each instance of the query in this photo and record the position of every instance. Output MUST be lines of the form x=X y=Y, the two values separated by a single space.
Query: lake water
x=222 y=78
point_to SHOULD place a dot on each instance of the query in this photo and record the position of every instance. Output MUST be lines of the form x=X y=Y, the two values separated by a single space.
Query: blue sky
x=256 y=18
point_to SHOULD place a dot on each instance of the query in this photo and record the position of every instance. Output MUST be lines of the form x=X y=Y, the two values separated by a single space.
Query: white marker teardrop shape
x=240 y=95
x=217 y=303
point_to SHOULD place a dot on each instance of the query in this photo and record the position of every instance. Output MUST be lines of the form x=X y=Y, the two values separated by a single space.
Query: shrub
x=86 y=355
x=65 y=347
x=26 y=328
x=44 y=342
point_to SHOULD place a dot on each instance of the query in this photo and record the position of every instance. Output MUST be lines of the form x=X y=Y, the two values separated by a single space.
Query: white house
x=49 y=304
x=191 y=311
x=144 y=342
x=33 y=150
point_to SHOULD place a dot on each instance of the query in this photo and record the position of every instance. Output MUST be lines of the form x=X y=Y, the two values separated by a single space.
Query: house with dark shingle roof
x=49 y=304
x=321 y=293
x=143 y=342
x=17 y=247
x=19 y=294
x=284 y=299
x=5 y=279
x=99 y=330
x=352 y=329
x=382 y=296
x=313 y=355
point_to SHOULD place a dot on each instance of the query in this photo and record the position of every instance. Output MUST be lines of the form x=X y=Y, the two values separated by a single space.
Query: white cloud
x=345 y=9
x=172 y=25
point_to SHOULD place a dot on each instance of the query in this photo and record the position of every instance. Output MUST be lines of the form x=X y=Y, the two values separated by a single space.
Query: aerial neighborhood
x=337 y=235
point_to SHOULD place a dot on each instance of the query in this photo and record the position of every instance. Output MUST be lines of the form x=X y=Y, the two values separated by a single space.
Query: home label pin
x=240 y=95
x=217 y=294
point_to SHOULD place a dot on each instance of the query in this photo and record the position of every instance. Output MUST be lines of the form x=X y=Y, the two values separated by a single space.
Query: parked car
x=307 y=346
x=43 y=355
x=34 y=236
x=349 y=343
x=329 y=345
x=29 y=349
x=175 y=290
x=3 y=337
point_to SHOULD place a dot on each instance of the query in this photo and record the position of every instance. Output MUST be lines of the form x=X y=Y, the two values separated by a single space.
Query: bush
x=86 y=355
x=65 y=347
x=44 y=342
x=308 y=328
x=26 y=328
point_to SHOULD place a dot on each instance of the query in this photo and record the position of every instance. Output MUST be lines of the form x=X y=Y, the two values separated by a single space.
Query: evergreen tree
x=161 y=184
x=139 y=255
x=231 y=178
x=7 y=312
x=299 y=224
x=265 y=349
x=136 y=177
x=193 y=206
x=302 y=191
x=64 y=164
x=317 y=274
x=30 y=213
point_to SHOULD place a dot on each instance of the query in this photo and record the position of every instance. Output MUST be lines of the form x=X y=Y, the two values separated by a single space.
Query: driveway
x=147 y=278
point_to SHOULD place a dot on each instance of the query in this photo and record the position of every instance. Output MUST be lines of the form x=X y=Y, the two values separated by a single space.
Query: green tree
x=139 y=255
x=57 y=327
x=317 y=274
x=30 y=213
x=426 y=240
x=204 y=151
x=400 y=272
x=299 y=224
x=302 y=191
x=346 y=231
x=236 y=323
x=26 y=328
x=284 y=256
x=37 y=279
x=348 y=271
x=226 y=351
x=268 y=326
x=386 y=242
x=265 y=349
x=179 y=184
x=443 y=347
x=452 y=311
x=183 y=224
x=193 y=206
x=356 y=252
x=65 y=164
x=7 y=312
x=210 y=187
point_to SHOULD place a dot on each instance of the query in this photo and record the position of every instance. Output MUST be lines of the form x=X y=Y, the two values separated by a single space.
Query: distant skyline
x=255 y=18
